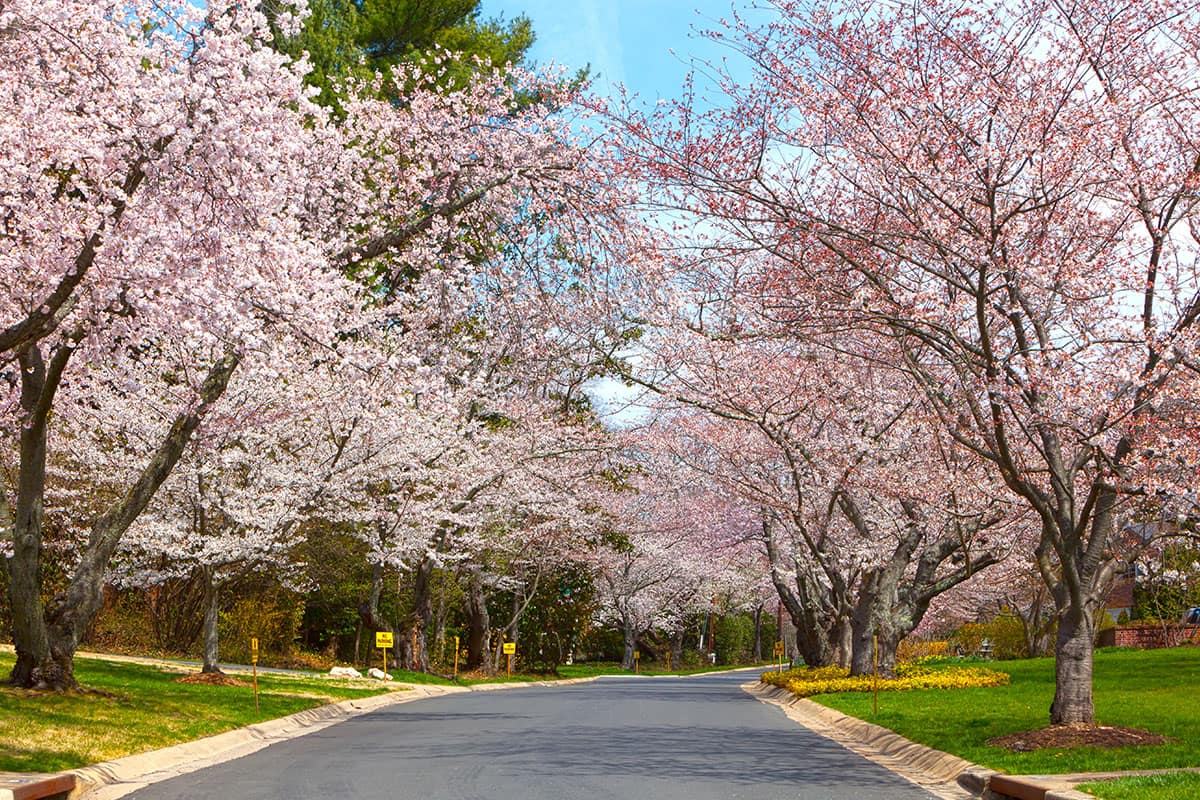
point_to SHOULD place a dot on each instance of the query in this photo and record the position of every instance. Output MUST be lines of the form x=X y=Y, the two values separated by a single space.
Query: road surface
x=699 y=738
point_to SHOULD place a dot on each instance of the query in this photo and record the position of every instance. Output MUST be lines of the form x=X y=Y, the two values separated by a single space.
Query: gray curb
x=932 y=770
x=945 y=775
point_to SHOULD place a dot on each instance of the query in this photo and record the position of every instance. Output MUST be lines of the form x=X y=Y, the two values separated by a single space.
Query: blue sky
x=625 y=41
x=648 y=46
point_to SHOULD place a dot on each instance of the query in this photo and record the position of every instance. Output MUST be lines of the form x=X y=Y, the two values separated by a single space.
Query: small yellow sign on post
x=510 y=649
x=637 y=657
x=383 y=640
x=254 y=666
x=779 y=648
x=455 y=658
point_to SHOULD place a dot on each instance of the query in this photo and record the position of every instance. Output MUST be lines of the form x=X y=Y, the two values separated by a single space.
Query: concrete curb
x=932 y=770
x=945 y=775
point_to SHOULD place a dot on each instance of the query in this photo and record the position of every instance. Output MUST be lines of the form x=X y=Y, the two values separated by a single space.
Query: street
x=698 y=738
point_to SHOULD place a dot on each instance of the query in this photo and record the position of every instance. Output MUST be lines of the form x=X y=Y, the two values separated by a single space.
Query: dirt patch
x=211 y=679
x=1067 y=736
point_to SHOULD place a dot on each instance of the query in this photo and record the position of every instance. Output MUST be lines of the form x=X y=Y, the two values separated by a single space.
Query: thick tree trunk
x=439 y=627
x=46 y=638
x=677 y=648
x=36 y=665
x=1073 y=671
x=368 y=611
x=478 y=624
x=422 y=613
x=212 y=604
x=821 y=634
x=630 y=636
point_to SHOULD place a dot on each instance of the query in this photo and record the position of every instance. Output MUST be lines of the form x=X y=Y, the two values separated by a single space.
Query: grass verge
x=1154 y=690
x=132 y=708
x=1171 y=786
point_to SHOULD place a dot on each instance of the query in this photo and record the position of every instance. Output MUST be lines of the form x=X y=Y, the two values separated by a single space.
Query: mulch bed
x=1077 y=736
x=211 y=679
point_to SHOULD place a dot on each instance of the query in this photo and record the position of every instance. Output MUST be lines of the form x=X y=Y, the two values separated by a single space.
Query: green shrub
x=1005 y=634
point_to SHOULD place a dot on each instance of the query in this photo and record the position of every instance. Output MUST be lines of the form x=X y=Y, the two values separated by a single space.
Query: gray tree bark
x=212 y=605
x=46 y=637
x=479 y=623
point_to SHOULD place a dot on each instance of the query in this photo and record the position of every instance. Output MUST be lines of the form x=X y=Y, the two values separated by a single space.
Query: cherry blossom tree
x=667 y=550
x=167 y=191
x=1006 y=191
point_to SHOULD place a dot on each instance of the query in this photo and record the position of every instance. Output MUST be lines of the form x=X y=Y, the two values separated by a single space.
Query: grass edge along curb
x=1164 y=784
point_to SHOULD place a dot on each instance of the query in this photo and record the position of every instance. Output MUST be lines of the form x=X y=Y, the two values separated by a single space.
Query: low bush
x=912 y=649
x=831 y=680
x=1004 y=634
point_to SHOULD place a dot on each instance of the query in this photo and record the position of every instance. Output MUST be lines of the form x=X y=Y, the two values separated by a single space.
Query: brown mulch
x=1077 y=736
x=211 y=679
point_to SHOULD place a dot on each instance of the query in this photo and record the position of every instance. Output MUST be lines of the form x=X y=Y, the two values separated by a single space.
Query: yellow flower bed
x=830 y=680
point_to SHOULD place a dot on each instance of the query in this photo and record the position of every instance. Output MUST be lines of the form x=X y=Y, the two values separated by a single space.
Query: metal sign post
x=510 y=649
x=455 y=658
x=383 y=640
x=637 y=657
x=875 y=643
x=254 y=666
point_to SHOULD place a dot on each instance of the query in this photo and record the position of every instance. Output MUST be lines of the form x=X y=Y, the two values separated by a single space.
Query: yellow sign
x=383 y=639
x=636 y=655
x=254 y=645
x=510 y=648
x=779 y=648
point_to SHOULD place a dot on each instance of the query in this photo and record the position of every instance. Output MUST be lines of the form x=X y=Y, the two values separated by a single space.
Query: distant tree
x=356 y=38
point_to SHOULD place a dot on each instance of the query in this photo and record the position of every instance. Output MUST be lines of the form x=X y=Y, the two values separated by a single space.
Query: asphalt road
x=699 y=738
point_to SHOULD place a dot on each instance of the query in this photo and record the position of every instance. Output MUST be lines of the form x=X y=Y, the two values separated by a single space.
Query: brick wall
x=1148 y=636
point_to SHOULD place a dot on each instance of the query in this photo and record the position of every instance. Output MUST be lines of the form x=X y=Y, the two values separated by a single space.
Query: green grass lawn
x=138 y=708
x=1173 y=786
x=1156 y=690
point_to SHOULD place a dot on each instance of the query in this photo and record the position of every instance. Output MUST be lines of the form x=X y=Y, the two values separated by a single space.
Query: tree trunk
x=677 y=648
x=368 y=611
x=479 y=644
x=439 y=627
x=46 y=637
x=630 y=634
x=212 y=604
x=422 y=613
x=38 y=665
x=1073 y=671
x=820 y=629
x=756 y=652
